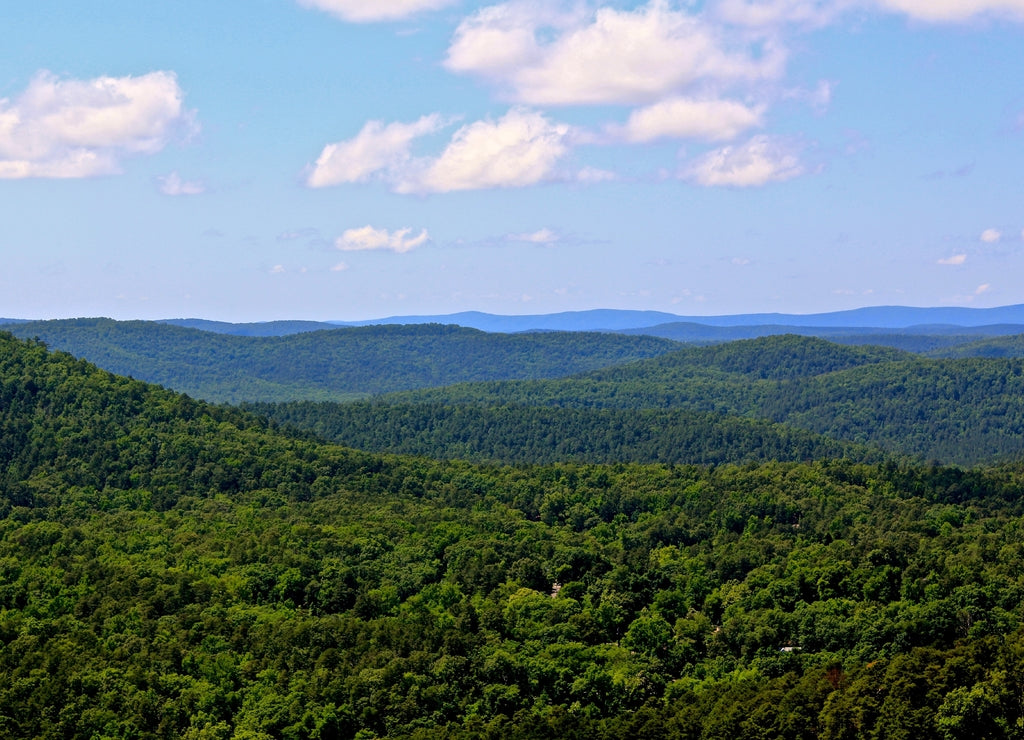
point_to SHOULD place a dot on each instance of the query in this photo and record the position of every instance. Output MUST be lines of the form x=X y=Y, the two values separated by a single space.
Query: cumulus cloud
x=377 y=148
x=543 y=57
x=956 y=259
x=682 y=118
x=83 y=128
x=368 y=238
x=991 y=236
x=172 y=184
x=761 y=160
x=367 y=11
x=541 y=236
x=521 y=148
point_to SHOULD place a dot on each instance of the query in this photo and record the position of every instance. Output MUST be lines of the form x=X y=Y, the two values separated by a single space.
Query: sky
x=253 y=160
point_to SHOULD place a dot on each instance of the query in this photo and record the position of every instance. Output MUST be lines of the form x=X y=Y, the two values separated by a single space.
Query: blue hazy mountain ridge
x=919 y=320
x=876 y=317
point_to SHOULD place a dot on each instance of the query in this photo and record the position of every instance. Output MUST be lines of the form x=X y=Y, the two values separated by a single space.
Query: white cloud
x=368 y=238
x=502 y=38
x=956 y=259
x=277 y=270
x=761 y=160
x=82 y=128
x=340 y=267
x=172 y=184
x=774 y=13
x=541 y=236
x=682 y=118
x=522 y=148
x=983 y=288
x=365 y=11
x=954 y=10
x=594 y=175
x=818 y=99
x=608 y=56
x=375 y=149
x=991 y=236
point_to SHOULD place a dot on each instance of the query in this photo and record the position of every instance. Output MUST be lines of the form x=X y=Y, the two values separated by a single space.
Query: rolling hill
x=340 y=363
x=170 y=569
x=962 y=411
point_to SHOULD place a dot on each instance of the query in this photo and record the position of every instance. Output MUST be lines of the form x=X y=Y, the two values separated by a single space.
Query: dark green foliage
x=962 y=411
x=170 y=569
x=544 y=434
x=332 y=364
x=1008 y=346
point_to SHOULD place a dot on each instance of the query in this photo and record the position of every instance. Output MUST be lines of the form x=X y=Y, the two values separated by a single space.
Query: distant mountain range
x=876 y=319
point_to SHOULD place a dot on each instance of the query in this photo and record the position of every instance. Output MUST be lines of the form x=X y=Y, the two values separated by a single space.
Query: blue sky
x=345 y=159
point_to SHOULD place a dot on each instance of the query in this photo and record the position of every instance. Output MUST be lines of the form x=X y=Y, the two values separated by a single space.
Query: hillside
x=169 y=569
x=918 y=339
x=544 y=434
x=340 y=363
x=962 y=411
x=1003 y=346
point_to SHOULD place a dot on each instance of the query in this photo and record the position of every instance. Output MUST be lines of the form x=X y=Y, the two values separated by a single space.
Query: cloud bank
x=689 y=72
x=541 y=57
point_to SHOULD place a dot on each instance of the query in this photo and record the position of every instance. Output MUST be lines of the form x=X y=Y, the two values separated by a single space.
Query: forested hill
x=333 y=364
x=544 y=434
x=173 y=570
x=594 y=427
x=958 y=411
x=1002 y=346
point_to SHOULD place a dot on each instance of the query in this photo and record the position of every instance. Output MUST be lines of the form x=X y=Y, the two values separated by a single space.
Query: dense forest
x=171 y=569
x=932 y=340
x=343 y=363
x=545 y=434
x=962 y=411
